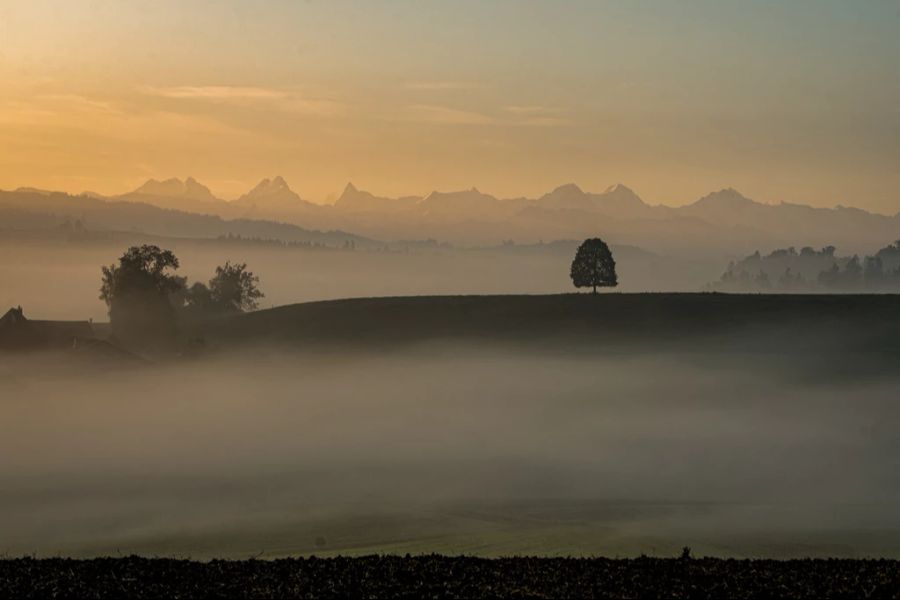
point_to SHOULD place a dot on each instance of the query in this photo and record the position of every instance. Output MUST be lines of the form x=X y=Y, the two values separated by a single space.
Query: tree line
x=809 y=270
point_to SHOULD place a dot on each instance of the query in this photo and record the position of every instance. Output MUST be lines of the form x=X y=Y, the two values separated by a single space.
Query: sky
x=786 y=101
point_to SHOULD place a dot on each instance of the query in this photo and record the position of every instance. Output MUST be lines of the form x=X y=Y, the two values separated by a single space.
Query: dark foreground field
x=443 y=577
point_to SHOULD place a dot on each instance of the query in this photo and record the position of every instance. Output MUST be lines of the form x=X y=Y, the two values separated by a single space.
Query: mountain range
x=36 y=210
x=722 y=221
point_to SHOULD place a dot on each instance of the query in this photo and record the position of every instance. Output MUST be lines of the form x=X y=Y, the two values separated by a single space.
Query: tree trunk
x=595 y=289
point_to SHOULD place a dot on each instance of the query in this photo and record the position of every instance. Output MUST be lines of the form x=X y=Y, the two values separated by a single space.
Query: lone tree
x=594 y=265
x=139 y=292
x=232 y=289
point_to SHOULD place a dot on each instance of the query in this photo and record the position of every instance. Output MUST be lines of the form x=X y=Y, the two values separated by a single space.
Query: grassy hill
x=747 y=322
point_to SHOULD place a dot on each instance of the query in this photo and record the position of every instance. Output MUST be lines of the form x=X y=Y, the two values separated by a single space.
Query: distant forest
x=813 y=270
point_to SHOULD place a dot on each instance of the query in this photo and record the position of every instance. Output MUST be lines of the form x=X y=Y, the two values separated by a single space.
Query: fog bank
x=435 y=448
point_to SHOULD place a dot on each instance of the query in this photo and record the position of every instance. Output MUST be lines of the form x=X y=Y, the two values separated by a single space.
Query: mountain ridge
x=35 y=211
x=278 y=186
x=723 y=220
x=176 y=188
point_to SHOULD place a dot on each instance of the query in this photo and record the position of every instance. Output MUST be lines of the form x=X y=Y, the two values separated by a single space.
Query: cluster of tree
x=147 y=300
x=260 y=241
x=232 y=289
x=395 y=247
x=814 y=271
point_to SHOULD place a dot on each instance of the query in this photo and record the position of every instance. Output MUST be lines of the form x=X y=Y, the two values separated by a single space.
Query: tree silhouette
x=852 y=274
x=234 y=288
x=139 y=292
x=594 y=265
x=830 y=278
x=873 y=273
x=198 y=297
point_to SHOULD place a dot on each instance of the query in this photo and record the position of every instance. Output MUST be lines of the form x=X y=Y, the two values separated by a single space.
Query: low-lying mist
x=62 y=280
x=445 y=448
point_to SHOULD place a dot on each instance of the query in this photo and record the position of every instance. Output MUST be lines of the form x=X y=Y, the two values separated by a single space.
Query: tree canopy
x=594 y=265
x=138 y=292
x=232 y=289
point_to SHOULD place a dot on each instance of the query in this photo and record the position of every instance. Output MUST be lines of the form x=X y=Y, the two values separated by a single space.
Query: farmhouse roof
x=16 y=329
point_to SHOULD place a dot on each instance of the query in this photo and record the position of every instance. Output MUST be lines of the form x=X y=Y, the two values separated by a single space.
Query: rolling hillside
x=777 y=324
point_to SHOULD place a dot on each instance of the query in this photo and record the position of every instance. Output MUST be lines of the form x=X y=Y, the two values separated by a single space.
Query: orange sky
x=791 y=101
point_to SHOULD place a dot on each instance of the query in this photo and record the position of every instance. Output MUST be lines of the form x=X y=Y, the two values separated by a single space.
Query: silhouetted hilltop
x=575 y=322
